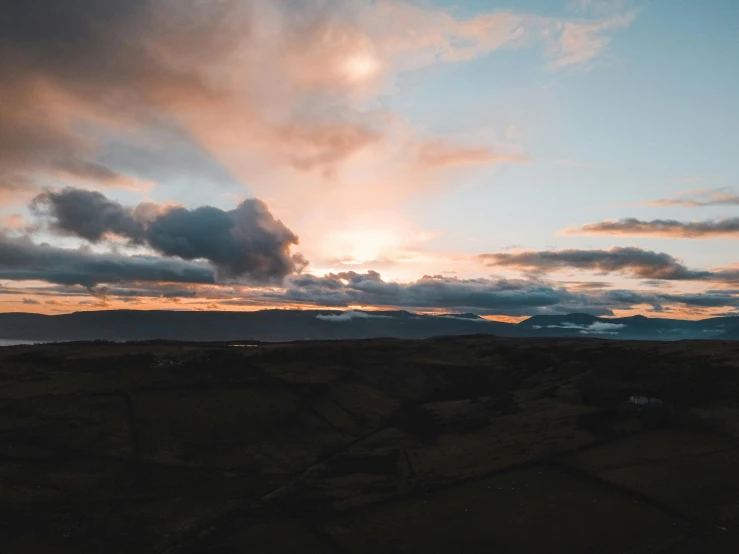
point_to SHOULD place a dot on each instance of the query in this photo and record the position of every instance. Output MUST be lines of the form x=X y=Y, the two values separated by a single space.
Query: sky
x=508 y=159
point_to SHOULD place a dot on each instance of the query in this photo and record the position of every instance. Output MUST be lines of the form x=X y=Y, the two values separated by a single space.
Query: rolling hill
x=290 y=325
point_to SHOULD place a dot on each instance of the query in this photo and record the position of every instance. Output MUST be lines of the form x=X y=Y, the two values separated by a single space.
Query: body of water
x=15 y=342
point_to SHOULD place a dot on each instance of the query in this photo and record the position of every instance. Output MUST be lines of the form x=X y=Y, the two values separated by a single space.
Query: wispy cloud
x=636 y=262
x=595 y=328
x=349 y=316
x=697 y=199
x=292 y=89
x=599 y=6
x=285 y=97
x=439 y=154
x=579 y=42
x=666 y=228
x=23 y=260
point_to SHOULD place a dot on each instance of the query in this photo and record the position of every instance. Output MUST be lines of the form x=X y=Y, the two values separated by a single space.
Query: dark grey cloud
x=636 y=262
x=710 y=299
x=346 y=290
x=244 y=242
x=668 y=228
x=706 y=299
x=98 y=61
x=23 y=260
x=130 y=291
x=46 y=44
x=158 y=290
x=77 y=73
x=588 y=285
x=247 y=241
x=657 y=283
x=58 y=36
x=369 y=289
x=87 y=214
x=481 y=296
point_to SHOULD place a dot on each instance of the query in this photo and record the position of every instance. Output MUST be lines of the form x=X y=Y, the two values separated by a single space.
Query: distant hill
x=266 y=325
x=288 y=325
x=635 y=327
x=731 y=334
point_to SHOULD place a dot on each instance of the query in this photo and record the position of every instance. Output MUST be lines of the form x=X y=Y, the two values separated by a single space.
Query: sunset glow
x=508 y=161
x=361 y=67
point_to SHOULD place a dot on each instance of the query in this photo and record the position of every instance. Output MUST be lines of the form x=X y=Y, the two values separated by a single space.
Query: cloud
x=23 y=260
x=80 y=171
x=54 y=75
x=482 y=296
x=349 y=316
x=352 y=314
x=74 y=61
x=708 y=299
x=697 y=199
x=261 y=85
x=247 y=241
x=600 y=326
x=579 y=42
x=599 y=6
x=666 y=228
x=595 y=328
x=352 y=290
x=591 y=285
x=244 y=242
x=15 y=222
x=284 y=96
x=87 y=214
x=438 y=154
x=564 y=325
x=460 y=318
x=635 y=262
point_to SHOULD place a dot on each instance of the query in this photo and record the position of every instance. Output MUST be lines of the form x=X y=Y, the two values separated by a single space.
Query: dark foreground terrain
x=449 y=445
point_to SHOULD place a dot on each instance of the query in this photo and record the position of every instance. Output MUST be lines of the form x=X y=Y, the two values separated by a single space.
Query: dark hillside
x=466 y=444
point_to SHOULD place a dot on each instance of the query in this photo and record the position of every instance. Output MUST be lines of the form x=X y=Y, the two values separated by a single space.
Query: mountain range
x=290 y=325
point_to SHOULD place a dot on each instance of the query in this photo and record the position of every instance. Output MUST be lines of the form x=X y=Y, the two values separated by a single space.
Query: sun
x=361 y=246
x=367 y=246
x=361 y=67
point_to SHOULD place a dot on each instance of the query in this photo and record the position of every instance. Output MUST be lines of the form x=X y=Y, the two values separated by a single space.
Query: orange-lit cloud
x=579 y=42
x=286 y=97
x=252 y=81
x=504 y=299
x=698 y=198
x=438 y=154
